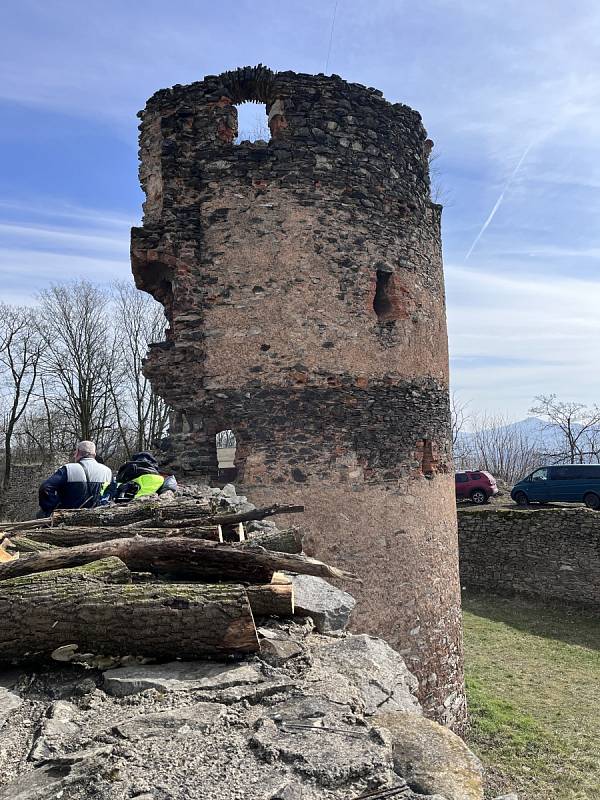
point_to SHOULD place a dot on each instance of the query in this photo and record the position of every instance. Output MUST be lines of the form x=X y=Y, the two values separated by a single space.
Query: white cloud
x=548 y=324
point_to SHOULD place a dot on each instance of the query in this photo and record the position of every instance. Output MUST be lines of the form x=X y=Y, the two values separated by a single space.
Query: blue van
x=565 y=483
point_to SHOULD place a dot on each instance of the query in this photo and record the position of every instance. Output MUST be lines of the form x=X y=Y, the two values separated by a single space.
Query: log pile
x=174 y=578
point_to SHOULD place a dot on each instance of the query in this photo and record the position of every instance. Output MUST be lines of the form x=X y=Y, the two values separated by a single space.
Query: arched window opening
x=226 y=446
x=253 y=123
x=383 y=304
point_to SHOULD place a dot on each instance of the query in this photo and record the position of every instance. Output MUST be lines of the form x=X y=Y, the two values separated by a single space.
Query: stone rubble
x=317 y=716
x=303 y=726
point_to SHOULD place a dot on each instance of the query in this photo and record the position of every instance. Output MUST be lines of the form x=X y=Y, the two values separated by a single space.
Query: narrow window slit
x=383 y=304
x=226 y=446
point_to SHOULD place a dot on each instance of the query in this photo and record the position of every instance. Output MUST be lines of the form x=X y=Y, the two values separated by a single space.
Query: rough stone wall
x=549 y=553
x=303 y=283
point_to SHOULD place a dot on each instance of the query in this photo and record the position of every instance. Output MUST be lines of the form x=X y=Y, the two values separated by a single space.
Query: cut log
x=128 y=513
x=24 y=544
x=159 y=513
x=180 y=557
x=272 y=599
x=72 y=535
x=86 y=607
x=287 y=541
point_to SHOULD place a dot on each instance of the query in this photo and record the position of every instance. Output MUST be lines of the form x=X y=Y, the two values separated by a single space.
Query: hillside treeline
x=70 y=369
x=559 y=432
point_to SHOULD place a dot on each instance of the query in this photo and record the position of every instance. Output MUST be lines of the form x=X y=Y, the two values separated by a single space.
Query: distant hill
x=537 y=433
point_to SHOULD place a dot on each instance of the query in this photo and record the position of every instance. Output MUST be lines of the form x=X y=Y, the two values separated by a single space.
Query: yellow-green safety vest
x=149 y=484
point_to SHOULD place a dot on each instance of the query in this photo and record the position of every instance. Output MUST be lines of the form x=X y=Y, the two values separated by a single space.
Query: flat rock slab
x=9 y=702
x=177 y=676
x=329 y=607
x=202 y=718
x=432 y=758
x=52 y=780
x=378 y=672
x=328 y=750
x=56 y=730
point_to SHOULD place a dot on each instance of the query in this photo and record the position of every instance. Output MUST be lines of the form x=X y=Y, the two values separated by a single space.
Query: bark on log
x=42 y=612
x=272 y=599
x=72 y=535
x=124 y=514
x=180 y=557
x=160 y=513
x=287 y=541
x=24 y=544
x=245 y=516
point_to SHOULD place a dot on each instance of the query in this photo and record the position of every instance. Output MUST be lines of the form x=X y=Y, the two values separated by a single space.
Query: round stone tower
x=302 y=280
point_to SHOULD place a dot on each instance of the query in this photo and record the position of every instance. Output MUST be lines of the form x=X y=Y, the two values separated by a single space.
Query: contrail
x=498 y=202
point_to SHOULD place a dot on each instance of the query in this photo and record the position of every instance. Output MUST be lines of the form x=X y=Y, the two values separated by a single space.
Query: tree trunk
x=71 y=535
x=180 y=557
x=95 y=607
x=165 y=510
x=125 y=514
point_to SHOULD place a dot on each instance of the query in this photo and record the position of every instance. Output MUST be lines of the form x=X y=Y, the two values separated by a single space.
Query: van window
x=461 y=477
x=540 y=474
x=590 y=471
x=564 y=473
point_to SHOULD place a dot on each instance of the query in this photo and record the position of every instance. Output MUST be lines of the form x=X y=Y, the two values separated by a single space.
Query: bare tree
x=20 y=352
x=141 y=415
x=577 y=427
x=499 y=446
x=439 y=192
x=78 y=360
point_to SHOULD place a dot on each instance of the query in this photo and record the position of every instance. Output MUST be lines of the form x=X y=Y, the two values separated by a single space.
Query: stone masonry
x=553 y=553
x=302 y=281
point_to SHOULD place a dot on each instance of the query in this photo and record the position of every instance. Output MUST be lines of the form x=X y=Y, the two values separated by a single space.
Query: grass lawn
x=533 y=682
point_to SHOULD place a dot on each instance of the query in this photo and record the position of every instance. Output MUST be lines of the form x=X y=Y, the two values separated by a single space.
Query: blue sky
x=509 y=92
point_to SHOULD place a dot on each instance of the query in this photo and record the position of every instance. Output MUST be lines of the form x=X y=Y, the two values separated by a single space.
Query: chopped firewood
x=272 y=599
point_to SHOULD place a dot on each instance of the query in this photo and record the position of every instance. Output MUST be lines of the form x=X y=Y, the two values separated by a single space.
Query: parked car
x=565 y=483
x=475 y=486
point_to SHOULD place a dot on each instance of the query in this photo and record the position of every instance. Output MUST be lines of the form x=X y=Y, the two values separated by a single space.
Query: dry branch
x=184 y=558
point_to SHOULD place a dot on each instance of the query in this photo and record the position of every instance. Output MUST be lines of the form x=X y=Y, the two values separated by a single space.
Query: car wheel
x=592 y=501
x=521 y=499
x=479 y=497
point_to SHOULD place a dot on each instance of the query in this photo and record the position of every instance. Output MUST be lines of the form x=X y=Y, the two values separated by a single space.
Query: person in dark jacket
x=141 y=477
x=79 y=484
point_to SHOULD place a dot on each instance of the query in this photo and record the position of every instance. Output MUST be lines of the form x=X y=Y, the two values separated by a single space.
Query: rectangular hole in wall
x=252 y=123
x=226 y=446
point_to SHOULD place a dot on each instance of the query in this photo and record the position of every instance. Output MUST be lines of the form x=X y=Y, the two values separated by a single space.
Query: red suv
x=475 y=486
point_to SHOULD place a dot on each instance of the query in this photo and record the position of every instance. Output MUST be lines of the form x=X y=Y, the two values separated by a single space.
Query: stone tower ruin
x=302 y=281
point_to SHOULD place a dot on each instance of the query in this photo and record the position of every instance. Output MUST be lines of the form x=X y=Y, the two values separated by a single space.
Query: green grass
x=533 y=683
